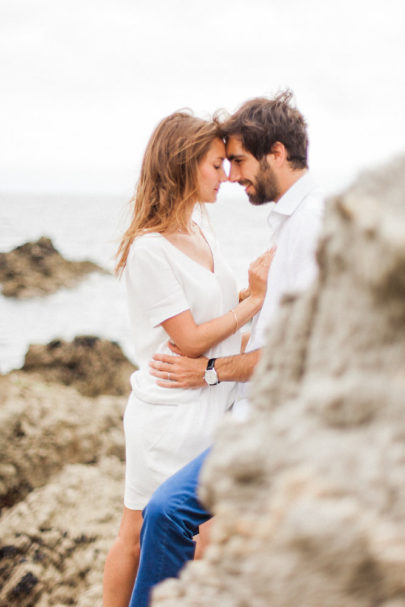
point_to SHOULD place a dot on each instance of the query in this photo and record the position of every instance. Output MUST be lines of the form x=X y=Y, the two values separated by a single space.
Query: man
x=266 y=144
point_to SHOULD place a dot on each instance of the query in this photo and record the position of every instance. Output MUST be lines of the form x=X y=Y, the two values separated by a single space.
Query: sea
x=89 y=227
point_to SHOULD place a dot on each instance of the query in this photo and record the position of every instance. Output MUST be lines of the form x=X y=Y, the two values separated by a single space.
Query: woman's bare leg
x=202 y=539
x=122 y=561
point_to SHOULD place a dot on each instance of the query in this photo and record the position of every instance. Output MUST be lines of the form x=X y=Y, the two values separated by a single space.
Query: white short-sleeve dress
x=166 y=428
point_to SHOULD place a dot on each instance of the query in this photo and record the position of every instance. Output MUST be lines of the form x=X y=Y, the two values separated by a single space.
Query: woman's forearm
x=212 y=332
x=194 y=340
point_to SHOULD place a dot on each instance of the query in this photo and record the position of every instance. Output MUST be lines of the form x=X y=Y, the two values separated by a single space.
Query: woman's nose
x=233 y=174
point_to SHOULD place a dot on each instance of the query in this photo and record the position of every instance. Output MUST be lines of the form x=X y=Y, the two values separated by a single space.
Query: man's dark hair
x=261 y=122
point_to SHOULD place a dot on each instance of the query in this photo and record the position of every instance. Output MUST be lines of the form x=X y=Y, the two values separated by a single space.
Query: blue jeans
x=170 y=520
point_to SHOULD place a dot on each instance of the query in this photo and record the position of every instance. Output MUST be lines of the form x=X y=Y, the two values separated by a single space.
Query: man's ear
x=278 y=155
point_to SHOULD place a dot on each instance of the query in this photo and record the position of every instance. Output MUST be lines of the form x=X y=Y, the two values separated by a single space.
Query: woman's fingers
x=258 y=272
x=266 y=258
x=270 y=254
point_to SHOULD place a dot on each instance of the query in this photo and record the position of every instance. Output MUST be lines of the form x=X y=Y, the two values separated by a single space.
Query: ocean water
x=89 y=227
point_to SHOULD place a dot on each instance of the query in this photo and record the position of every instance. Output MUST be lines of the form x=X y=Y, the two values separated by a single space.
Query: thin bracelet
x=236 y=321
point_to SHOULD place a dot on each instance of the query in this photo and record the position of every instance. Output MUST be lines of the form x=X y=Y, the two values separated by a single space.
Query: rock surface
x=309 y=493
x=92 y=365
x=36 y=268
x=61 y=488
x=61 y=471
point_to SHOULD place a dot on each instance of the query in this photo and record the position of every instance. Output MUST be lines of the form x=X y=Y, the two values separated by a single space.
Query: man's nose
x=234 y=174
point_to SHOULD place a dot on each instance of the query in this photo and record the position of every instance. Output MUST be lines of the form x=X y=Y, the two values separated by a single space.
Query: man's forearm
x=237 y=368
x=183 y=372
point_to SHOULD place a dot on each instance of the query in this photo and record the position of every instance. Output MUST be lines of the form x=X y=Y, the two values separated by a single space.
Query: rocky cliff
x=309 y=493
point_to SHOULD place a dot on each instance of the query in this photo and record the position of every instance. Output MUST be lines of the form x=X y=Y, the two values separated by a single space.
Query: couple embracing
x=186 y=316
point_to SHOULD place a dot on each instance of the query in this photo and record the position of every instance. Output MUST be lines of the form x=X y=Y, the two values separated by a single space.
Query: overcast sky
x=84 y=82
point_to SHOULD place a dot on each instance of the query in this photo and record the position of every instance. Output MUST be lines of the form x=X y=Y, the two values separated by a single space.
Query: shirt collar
x=292 y=198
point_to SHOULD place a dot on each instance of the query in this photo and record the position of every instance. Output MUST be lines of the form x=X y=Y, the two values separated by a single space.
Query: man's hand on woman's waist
x=183 y=372
x=178 y=371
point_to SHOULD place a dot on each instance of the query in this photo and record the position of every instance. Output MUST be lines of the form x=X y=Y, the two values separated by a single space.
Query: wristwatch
x=210 y=374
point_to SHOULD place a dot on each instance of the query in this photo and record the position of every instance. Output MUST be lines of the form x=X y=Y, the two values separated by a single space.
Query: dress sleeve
x=152 y=282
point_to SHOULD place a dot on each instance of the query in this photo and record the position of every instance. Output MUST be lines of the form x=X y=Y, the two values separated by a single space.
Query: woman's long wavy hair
x=168 y=182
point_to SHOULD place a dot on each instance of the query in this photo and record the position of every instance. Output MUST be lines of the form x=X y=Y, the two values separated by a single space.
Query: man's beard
x=265 y=185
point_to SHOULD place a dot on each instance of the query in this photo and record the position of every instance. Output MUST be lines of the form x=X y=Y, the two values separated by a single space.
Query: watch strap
x=211 y=363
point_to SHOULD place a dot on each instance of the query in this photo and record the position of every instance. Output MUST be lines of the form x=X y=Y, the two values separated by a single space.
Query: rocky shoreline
x=61 y=449
x=61 y=471
x=308 y=493
x=92 y=365
x=37 y=268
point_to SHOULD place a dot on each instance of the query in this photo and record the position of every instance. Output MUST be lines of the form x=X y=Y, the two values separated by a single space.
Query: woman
x=179 y=288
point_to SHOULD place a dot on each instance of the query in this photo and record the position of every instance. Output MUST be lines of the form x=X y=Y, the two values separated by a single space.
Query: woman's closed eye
x=218 y=165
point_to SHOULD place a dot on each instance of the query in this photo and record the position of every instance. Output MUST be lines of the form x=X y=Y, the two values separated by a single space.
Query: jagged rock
x=309 y=493
x=54 y=543
x=90 y=364
x=61 y=488
x=43 y=427
x=37 y=268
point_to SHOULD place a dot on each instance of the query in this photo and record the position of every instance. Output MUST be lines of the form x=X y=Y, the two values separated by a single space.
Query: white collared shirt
x=294 y=222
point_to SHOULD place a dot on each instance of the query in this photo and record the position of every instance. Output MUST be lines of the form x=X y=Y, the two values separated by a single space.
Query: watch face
x=211 y=377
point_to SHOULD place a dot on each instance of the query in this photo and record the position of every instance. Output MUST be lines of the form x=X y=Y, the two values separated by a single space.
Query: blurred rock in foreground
x=61 y=488
x=37 y=268
x=92 y=365
x=61 y=471
x=309 y=493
